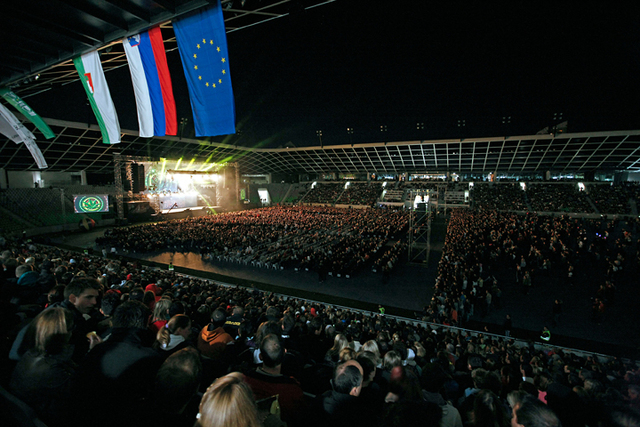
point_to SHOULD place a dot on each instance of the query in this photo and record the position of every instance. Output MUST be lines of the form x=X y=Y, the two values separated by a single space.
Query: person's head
x=488 y=410
x=531 y=412
x=391 y=360
x=131 y=314
x=339 y=342
x=346 y=353
x=136 y=294
x=218 y=317
x=109 y=303
x=271 y=351
x=52 y=330
x=347 y=378
x=372 y=346
x=23 y=268
x=161 y=310
x=83 y=294
x=178 y=380
x=368 y=361
x=56 y=294
x=228 y=402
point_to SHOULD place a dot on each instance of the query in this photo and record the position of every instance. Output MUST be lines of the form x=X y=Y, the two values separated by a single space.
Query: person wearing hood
x=432 y=380
x=213 y=340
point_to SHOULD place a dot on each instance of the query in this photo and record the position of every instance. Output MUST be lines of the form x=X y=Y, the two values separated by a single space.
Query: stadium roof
x=79 y=147
x=39 y=38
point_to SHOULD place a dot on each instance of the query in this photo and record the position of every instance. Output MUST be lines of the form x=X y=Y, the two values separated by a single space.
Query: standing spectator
x=508 y=324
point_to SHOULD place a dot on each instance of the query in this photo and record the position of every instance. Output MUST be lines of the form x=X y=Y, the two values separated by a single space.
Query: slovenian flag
x=151 y=83
x=95 y=85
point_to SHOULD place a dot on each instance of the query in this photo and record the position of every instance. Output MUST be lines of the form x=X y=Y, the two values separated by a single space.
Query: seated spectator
x=340 y=406
x=213 y=340
x=160 y=315
x=175 y=394
x=123 y=368
x=81 y=297
x=44 y=375
x=174 y=335
x=267 y=381
x=228 y=402
x=531 y=412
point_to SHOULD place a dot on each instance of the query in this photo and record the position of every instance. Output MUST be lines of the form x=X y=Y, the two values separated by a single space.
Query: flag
x=95 y=85
x=22 y=106
x=203 y=49
x=11 y=127
x=151 y=83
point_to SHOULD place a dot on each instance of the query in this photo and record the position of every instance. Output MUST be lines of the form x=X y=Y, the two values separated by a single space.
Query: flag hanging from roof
x=151 y=83
x=202 y=43
x=11 y=127
x=22 y=106
x=95 y=85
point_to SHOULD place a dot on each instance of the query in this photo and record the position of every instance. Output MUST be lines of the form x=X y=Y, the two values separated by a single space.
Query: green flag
x=22 y=106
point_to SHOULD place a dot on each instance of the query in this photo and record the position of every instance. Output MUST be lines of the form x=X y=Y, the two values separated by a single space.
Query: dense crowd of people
x=558 y=198
x=324 y=193
x=361 y=194
x=509 y=197
x=614 y=199
x=111 y=342
x=314 y=238
x=480 y=244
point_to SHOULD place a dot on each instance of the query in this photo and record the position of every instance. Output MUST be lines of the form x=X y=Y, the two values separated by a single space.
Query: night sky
x=363 y=65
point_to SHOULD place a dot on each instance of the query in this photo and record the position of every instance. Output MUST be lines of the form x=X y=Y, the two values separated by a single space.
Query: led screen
x=92 y=203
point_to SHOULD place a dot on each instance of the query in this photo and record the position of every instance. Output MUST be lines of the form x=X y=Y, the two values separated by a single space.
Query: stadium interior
x=458 y=251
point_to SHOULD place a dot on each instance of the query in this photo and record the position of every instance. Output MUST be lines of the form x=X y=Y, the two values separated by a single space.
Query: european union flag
x=203 y=49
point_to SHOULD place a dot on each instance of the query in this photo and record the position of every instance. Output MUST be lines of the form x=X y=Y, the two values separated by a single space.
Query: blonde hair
x=339 y=342
x=52 y=329
x=161 y=310
x=228 y=402
x=372 y=346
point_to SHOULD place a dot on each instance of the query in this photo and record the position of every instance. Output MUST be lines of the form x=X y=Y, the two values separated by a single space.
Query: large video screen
x=92 y=203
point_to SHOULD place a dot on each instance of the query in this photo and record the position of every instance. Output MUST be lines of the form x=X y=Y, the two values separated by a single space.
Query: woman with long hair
x=43 y=377
x=160 y=315
x=333 y=354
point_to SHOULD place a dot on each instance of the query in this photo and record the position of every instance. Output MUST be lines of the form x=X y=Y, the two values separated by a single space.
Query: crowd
x=502 y=197
x=324 y=193
x=314 y=238
x=558 y=198
x=614 y=199
x=105 y=342
x=481 y=244
x=361 y=193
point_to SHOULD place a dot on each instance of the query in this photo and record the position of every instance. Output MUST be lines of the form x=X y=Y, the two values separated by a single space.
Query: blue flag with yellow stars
x=202 y=43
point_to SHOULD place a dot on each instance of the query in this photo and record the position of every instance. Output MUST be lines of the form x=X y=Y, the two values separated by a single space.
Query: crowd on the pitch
x=313 y=238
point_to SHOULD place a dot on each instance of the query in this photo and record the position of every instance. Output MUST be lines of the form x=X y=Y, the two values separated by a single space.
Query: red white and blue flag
x=151 y=83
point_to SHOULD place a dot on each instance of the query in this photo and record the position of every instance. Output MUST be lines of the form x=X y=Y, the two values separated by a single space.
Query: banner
x=11 y=127
x=95 y=85
x=22 y=106
x=202 y=43
x=151 y=83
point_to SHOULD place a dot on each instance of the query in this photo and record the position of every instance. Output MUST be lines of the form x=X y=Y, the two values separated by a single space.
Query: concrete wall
x=18 y=179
